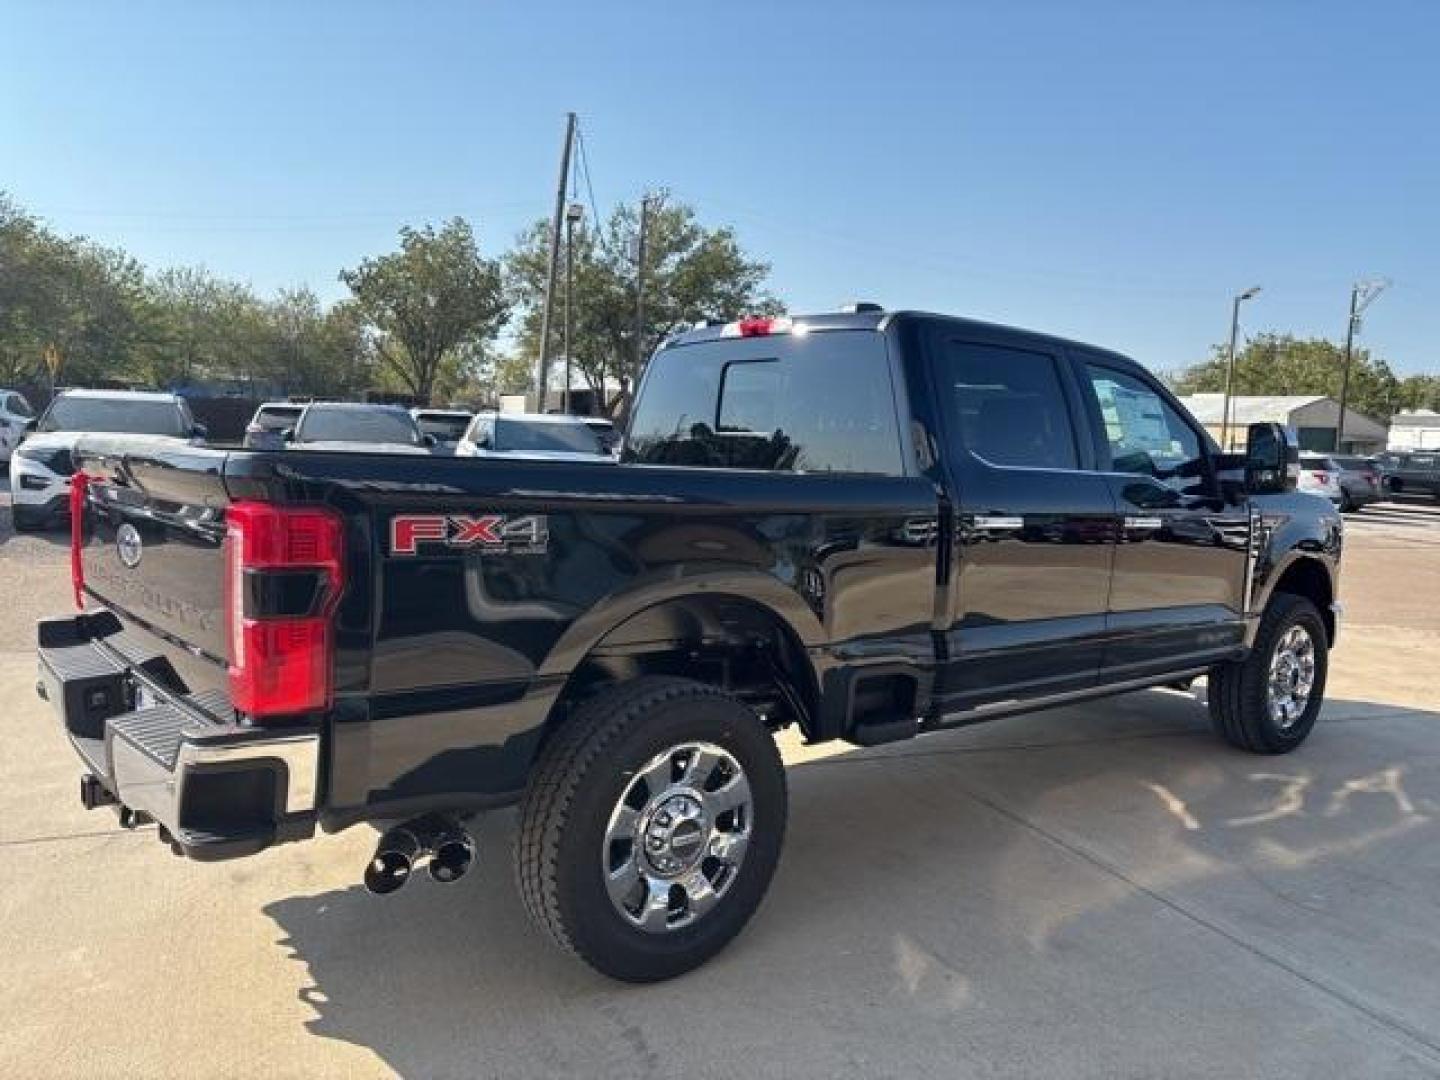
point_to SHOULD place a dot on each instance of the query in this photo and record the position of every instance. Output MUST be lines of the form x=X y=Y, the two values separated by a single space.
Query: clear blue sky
x=1108 y=171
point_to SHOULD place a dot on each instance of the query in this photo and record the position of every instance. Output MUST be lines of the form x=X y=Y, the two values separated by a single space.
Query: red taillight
x=78 y=483
x=281 y=663
x=1323 y=477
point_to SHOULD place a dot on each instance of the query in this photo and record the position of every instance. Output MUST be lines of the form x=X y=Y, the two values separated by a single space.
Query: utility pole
x=1362 y=293
x=544 y=374
x=1230 y=365
x=573 y=213
x=640 y=248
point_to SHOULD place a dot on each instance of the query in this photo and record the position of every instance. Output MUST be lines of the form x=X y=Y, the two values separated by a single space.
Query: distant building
x=1415 y=429
x=1314 y=419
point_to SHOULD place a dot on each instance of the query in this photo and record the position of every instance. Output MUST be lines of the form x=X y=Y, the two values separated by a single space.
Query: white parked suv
x=40 y=467
x=1320 y=476
x=15 y=417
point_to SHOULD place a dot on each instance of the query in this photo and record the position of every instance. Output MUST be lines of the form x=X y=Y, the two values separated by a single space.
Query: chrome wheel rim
x=1292 y=677
x=677 y=837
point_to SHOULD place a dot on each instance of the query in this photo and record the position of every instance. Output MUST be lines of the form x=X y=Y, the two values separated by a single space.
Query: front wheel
x=651 y=827
x=1269 y=702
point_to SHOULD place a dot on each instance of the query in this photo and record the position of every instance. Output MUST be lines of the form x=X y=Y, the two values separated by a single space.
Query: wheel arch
x=724 y=627
x=1311 y=577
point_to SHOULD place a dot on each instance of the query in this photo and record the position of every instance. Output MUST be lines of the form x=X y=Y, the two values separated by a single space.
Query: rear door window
x=1008 y=407
x=821 y=402
x=277 y=419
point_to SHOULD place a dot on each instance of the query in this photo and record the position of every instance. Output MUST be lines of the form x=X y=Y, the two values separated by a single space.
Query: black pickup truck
x=868 y=524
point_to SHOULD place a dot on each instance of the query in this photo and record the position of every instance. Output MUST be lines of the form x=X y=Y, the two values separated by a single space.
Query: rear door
x=1035 y=538
x=1178 y=595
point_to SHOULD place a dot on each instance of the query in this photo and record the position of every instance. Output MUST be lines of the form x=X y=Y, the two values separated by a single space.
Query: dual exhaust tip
x=449 y=848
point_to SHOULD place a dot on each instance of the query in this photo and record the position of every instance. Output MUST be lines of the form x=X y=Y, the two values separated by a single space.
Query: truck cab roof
x=869 y=317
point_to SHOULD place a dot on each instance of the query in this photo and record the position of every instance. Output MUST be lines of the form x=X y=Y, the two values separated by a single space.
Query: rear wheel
x=1269 y=702
x=651 y=828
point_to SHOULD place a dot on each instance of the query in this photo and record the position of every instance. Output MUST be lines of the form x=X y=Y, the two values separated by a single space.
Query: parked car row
x=1412 y=472
x=38 y=450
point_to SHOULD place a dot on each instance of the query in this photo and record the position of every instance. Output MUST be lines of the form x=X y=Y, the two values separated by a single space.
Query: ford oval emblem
x=127 y=542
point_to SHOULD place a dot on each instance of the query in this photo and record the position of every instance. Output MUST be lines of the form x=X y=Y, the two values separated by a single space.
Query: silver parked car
x=358 y=428
x=1359 y=482
x=532 y=436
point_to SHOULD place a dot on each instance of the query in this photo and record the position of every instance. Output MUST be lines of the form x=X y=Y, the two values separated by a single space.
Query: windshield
x=143 y=416
x=447 y=427
x=523 y=436
x=378 y=425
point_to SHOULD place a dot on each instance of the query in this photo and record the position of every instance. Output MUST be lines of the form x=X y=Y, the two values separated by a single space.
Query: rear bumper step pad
x=216 y=790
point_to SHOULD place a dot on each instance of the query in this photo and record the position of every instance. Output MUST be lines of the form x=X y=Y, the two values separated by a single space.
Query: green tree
x=1420 y=392
x=1276 y=364
x=427 y=301
x=65 y=296
x=691 y=272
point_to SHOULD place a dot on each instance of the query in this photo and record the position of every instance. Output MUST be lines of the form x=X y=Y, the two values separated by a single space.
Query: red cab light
x=758 y=326
x=281 y=663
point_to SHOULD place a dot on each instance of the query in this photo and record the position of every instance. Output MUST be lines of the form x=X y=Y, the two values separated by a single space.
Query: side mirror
x=199 y=432
x=288 y=435
x=1268 y=457
x=31 y=425
x=430 y=441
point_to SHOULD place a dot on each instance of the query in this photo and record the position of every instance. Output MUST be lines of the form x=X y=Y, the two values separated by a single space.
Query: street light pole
x=542 y=377
x=640 y=245
x=1362 y=293
x=573 y=213
x=1230 y=365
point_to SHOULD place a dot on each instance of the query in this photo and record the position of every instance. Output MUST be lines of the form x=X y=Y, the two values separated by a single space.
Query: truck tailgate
x=152 y=546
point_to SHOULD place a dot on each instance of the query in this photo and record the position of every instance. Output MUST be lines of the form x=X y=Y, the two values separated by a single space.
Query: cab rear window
x=821 y=402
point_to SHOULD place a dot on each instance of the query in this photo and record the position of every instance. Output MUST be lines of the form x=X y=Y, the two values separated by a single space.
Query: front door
x=1177 y=600
x=1030 y=571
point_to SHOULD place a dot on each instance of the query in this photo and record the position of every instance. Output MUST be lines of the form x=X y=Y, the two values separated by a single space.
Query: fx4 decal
x=489 y=534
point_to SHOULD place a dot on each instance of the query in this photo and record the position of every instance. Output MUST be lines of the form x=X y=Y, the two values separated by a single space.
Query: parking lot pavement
x=1095 y=891
x=1411 y=520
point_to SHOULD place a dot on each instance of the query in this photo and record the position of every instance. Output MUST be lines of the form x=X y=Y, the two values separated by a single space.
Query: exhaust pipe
x=394 y=859
x=444 y=841
x=454 y=854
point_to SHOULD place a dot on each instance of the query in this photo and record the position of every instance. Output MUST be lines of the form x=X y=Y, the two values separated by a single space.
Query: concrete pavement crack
x=60 y=837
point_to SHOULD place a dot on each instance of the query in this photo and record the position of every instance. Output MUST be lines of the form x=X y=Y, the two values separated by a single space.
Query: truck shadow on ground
x=997 y=874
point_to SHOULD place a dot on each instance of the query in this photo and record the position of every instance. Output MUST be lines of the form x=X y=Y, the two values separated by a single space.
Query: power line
x=583 y=160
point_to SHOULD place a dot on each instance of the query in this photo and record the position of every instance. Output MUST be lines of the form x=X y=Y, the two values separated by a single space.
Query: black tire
x=581 y=776
x=1238 y=693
